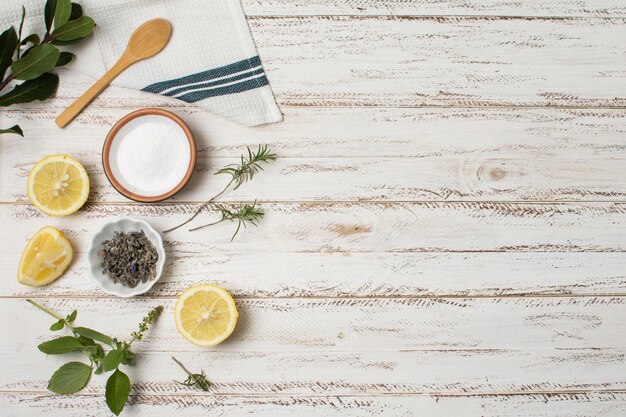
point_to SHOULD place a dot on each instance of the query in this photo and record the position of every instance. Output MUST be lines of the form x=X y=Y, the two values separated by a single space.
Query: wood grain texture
x=452 y=154
x=24 y=404
x=436 y=7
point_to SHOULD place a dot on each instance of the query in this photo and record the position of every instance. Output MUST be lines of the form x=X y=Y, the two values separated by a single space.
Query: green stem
x=45 y=310
x=6 y=82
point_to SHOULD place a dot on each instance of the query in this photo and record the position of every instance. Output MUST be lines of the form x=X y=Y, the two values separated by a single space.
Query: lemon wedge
x=58 y=185
x=205 y=315
x=45 y=258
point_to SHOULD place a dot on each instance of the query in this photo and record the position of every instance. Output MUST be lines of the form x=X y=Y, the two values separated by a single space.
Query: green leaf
x=76 y=29
x=58 y=346
x=19 y=32
x=117 y=390
x=13 y=129
x=34 y=39
x=40 y=60
x=70 y=318
x=77 y=11
x=112 y=360
x=58 y=325
x=70 y=378
x=65 y=58
x=48 y=13
x=38 y=89
x=93 y=334
x=8 y=44
x=128 y=357
x=62 y=12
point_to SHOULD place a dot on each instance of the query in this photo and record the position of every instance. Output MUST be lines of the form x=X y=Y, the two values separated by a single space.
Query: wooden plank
x=360 y=227
x=322 y=325
x=382 y=154
x=336 y=274
x=439 y=61
x=346 y=373
x=536 y=405
x=436 y=7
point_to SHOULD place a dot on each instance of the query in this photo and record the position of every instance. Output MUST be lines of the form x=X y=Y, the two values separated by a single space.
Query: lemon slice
x=58 y=185
x=205 y=315
x=45 y=258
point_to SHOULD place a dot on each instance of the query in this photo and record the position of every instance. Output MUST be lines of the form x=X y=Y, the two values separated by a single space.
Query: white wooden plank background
x=445 y=227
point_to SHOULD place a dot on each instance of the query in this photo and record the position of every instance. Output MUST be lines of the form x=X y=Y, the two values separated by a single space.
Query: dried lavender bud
x=129 y=258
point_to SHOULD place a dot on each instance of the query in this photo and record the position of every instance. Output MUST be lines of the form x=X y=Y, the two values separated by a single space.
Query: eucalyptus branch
x=240 y=173
x=194 y=380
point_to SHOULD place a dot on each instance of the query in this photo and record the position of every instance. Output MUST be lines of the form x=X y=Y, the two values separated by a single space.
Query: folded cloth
x=210 y=60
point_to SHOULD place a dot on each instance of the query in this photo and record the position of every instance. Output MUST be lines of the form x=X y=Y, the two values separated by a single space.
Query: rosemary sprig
x=198 y=381
x=244 y=215
x=240 y=173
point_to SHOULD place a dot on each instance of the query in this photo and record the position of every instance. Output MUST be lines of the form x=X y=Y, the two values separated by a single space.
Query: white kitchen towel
x=210 y=60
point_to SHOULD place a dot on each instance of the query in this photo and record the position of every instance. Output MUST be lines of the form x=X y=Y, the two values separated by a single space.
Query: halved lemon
x=45 y=258
x=205 y=315
x=58 y=185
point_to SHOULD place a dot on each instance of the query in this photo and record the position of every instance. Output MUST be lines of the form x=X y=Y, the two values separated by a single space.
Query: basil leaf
x=13 y=129
x=128 y=357
x=38 y=89
x=48 y=13
x=34 y=39
x=112 y=360
x=117 y=390
x=76 y=29
x=65 y=58
x=62 y=12
x=58 y=346
x=93 y=334
x=8 y=44
x=58 y=325
x=70 y=378
x=72 y=316
x=77 y=11
x=40 y=60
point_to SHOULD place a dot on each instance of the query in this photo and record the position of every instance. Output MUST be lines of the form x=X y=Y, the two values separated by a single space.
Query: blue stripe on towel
x=198 y=95
x=213 y=83
x=234 y=68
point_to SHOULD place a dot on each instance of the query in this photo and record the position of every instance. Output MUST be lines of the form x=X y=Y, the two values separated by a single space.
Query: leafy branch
x=198 y=381
x=31 y=58
x=239 y=173
x=74 y=376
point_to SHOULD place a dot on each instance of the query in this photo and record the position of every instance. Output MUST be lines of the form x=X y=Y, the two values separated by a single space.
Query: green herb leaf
x=58 y=325
x=117 y=390
x=62 y=12
x=40 y=60
x=112 y=360
x=77 y=11
x=48 y=13
x=93 y=334
x=70 y=378
x=128 y=357
x=60 y=345
x=65 y=58
x=38 y=89
x=8 y=44
x=75 y=29
x=34 y=39
x=13 y=129
x=71 y=317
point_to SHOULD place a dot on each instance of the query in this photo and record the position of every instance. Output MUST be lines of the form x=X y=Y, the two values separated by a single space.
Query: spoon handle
x=81 y=102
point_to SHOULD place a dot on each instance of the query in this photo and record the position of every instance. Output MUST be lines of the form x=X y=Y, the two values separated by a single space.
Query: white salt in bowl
x=125 y=224
x=149 y=155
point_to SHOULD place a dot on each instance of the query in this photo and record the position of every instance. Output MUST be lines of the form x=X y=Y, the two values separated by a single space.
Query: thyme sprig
x=244 y=215
x=239 y=173
x=198 y=381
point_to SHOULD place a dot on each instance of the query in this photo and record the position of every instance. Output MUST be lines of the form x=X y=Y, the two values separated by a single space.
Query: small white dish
x=125 y=224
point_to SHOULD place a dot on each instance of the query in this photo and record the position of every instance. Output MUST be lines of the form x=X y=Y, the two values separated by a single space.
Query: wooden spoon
x=146 y=41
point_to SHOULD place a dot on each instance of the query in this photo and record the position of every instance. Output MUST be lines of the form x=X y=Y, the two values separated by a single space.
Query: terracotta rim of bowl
x=109 y=141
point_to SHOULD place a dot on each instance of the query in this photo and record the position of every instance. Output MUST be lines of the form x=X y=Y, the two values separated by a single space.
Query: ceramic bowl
x=125 y=125
x=125 y=224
